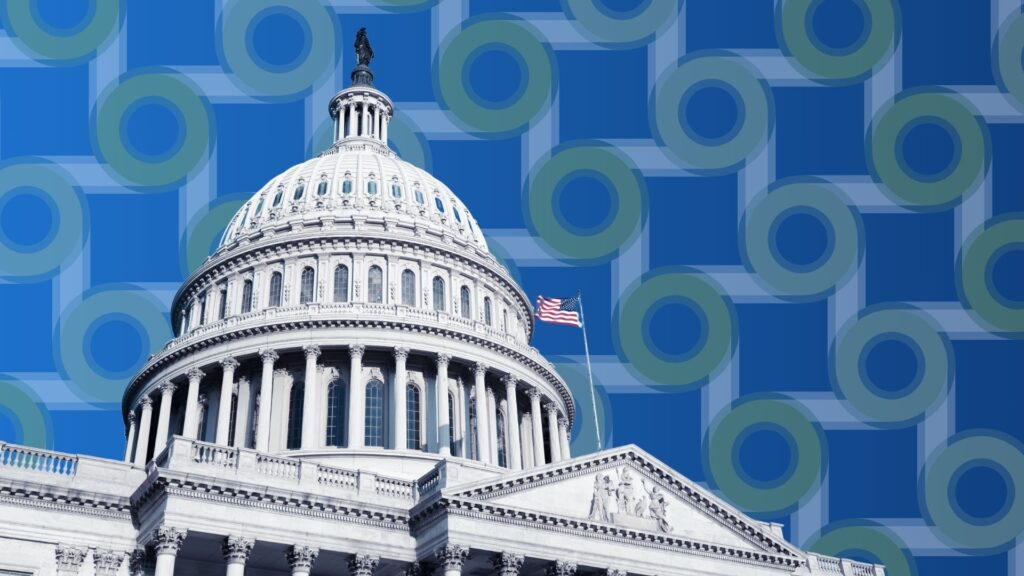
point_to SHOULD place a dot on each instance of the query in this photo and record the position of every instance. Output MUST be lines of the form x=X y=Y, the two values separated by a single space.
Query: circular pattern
x=314 y=61
x=945 y=467
x=203 y=234
x=638 y=26
x=404 y=5
x=978 y=291
x=56 y=192
x=138 y=309
x=825 y=204
x=807 y=455
x=180 y=98
x=799 y=38
x=851 y=379
x=407 y=140
x=948 y=184
x=513 y=37
x=687 y=370
x=31 y=420
x=1009 y=67
x=875 y=541
x=683 y=142
x=23 y=21
x=543 y=211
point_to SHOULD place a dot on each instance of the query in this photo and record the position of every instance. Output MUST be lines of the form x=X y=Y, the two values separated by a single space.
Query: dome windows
x=299 y=191
x=259 y=207
x=247 y=296
x=408 y=288
x=374 y=413
x=277 y=198
x=346 y=184
x=412 y=417
x=275 y=290
x=419 y=196
x=438 y=286
x=487 y=310
x=306 y=286
x=375 y=285
x=321 y=189
x=371 y=187
x=396 y=191
x=458 y=216
x=341 y=283
x=335 y=414
x=439 y=204
x=464 y=299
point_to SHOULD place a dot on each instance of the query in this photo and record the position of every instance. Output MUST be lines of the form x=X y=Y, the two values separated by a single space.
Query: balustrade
x=38 y=460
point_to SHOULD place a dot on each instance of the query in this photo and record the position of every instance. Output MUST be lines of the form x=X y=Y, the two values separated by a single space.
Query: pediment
x=627 y=488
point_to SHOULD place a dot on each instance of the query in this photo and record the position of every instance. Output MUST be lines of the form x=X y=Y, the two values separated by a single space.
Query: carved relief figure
x=624 y=503
x=658 y=507
x=603 y=490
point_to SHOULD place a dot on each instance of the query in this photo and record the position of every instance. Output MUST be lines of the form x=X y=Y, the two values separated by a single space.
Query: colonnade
x=489 y=402
x=361 y=118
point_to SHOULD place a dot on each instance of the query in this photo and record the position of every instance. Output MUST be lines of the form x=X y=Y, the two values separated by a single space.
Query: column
x=163 y=421
x=356 y=398
x=398 y=393
x=364 y=120
x=563 y=438
x=129 y=444
x=167 y=541
x=451 y=557
x=351 y=118
x=301 y=559
x=515 y=455
x=507 y=563
x=236 y=551
x=310 y=419
x=483 y=449
x=561 y=568
x=191 y=428
x=227 y=388
x=553 y=440
x=142 y=445
x=266 y=394
x=69 y=559
x=459 y=426
x=526 y=440
x=107 y=562
x=362 y=564
x=492 y=426
x=444 y=427
x=538 y=430
x=373 y=121
x=384 y=130
x=242 y=414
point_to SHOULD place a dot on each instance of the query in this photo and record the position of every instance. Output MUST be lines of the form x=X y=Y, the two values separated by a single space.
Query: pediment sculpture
x=623 y=501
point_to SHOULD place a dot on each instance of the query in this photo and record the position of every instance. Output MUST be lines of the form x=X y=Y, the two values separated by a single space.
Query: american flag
x=559 y=310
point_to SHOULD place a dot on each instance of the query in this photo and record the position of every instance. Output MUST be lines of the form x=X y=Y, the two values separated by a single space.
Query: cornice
x=42 y=496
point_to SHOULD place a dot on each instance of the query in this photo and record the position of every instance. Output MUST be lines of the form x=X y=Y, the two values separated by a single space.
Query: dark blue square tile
x=910 y=257
x=26 y=309
x=157 y=33
x=665 y=424
x=785 y=347
x=134 y=238
x=256 y=143
x=45 y=111
x=485 y=175
x=947 y=44
x=693 y=221
x=733 y=24
x=603 y=94
x=872 y=474
x=988 y=385
x=819 y=131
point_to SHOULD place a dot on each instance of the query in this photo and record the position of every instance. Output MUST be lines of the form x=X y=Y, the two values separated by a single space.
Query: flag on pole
x=559 y=310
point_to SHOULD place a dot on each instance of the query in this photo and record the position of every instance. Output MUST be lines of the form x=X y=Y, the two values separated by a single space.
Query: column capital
x=302 y=556
x=356 y=350
x=311 y=351
x=507 y=563
x=70 y=557
x=534 y=393
x=167 y=387
x=168 y=539
x=131 y=417
x=362 y=564
x=401 y=353
x=489 y=391
x=561 y=568
x=107 y=562
x=236 y=549
x=452 y=556
x=443 y=358
x=268 y=355
x=563 y=423
x=229 y=363
x=509 y=380
x=480 y=368
x=551 y=409
x=137 y=561
x=195 y=374
x=146 y=403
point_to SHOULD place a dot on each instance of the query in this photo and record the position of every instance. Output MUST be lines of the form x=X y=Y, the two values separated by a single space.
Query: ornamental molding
x=302 y=557
x=167 y=539
x=452 y=556
x=91 y=504
x=507 y=563
x=362 y=564
x=69 y=557
x=107 y=562
x=236 y=549
x=168 y=387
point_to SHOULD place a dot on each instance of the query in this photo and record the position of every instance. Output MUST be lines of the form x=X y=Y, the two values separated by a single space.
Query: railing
x=863 y=570
x=394 y=488
x=428 y=483
x=278 y=467
x=832 y=565
x=337 y=477
x=205 y=453
x=38 y=460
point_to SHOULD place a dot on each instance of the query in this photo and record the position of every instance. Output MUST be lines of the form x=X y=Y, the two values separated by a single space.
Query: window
x=487 y=311
x=295 y=416
x=451 y=423
x=275 y=289
x=346 y=187
x=299 y=191
x=467 y=311
x=375 y=285
x=419 y=196
x=306 y=292
x=247 y=296
x=412 y=417
x=374 y=413
x=202 y=309
x=439 y=204
x=335 y=414
x=500 y=423
x=458 y=217
x=396 y=191
x=341 y=283
x=222 y=306
x=408 y=288
x=245 y=214
x=438 y=294
x=259 y=207
x=321 y=189
x=277 y=198
x=185 y=317
x=371 y=187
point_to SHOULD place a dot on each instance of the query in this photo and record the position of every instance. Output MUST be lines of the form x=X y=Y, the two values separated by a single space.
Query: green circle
x=75 y=323
x=20 y=21
x=1009 y=70
x=754 y=98
x=796 y=38
x=70 y=227
x=33 y=419
x=911 y=326
x=716 y=346
x=877 y=541
x=729 y=427
x=175 y=91
x=902 y=183
x=827 y=201
x=514 y=35
x=638 y=27
x=976 y=291
x=942 y=468
x=198 y=238
x=616 y=232
x=246 y=69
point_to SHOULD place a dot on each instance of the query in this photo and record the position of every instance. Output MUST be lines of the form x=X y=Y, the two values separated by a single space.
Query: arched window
x=306 y=292
x=464 y=303
x=335 y=414
x=341 y=283
x=222 y=305
x=346 y=187
x=202 y=309
x=500 y=424
x=375 y=285
x=419 y=196
x=487 y=311
x=247 y=296
x=408 y=288
x=295 y=416
x=439 y=204
x=259 y=208
x=451 y=423
x=412 y=417
x=438 y=294
x=396 y=191
x=299 y=191
x=371 y=187
x=374 y=413
x=321 y=189
x=277 y=197
x=275 y=289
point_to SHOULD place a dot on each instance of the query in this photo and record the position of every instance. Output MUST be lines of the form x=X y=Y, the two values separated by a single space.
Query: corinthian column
x=492 y=426
x=310 y=393
x=553 y=440
x=357 y=398
x=512 y=420
x=130 y=441
x=444 y=426
x=561 y=568
x=451 y=557
x=227 y=387
x=563 y=437
x=507 y=563
x=483 y=447
x=69 y=559
x=301 y=559
x=362 y=565
x=236 y=551
x=163 y=421
x=538 y=430
x=401 y=442
x=242 y=414
x=266 y=394
x=351 y=118
x=107 y=562
x=167 y=541
x=142 y=445
x=191 y=428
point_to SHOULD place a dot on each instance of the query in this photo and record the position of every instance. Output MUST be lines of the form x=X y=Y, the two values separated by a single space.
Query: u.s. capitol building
x=352 y=390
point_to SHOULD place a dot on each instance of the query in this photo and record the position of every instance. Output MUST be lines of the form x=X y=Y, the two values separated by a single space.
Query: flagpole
x=590 y=374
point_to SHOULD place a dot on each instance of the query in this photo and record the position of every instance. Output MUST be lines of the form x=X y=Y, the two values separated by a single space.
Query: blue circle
x=622 y=9
x=585 y=202
x=711 y=112
x=928 y=149
x=891 y=365
x=1006 y=275
x=981 y=491
x=63 y=18
x=153 y=129
x=838 y=27
x=27 y=218
x=278 y=39
x=114 y=345
x=675 y=328
x=495 y=75
x=763 y=455
x=802 y=239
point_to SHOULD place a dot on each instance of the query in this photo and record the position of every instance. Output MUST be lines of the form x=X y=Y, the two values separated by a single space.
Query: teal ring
x=636 y=27
x=974 y=264
x=846 y=537
x=28 y=413
x=22 y=20
x=1009 y=49
x=207 y=228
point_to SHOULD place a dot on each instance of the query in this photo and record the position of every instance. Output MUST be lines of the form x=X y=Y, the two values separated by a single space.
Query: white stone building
x=352 y=390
